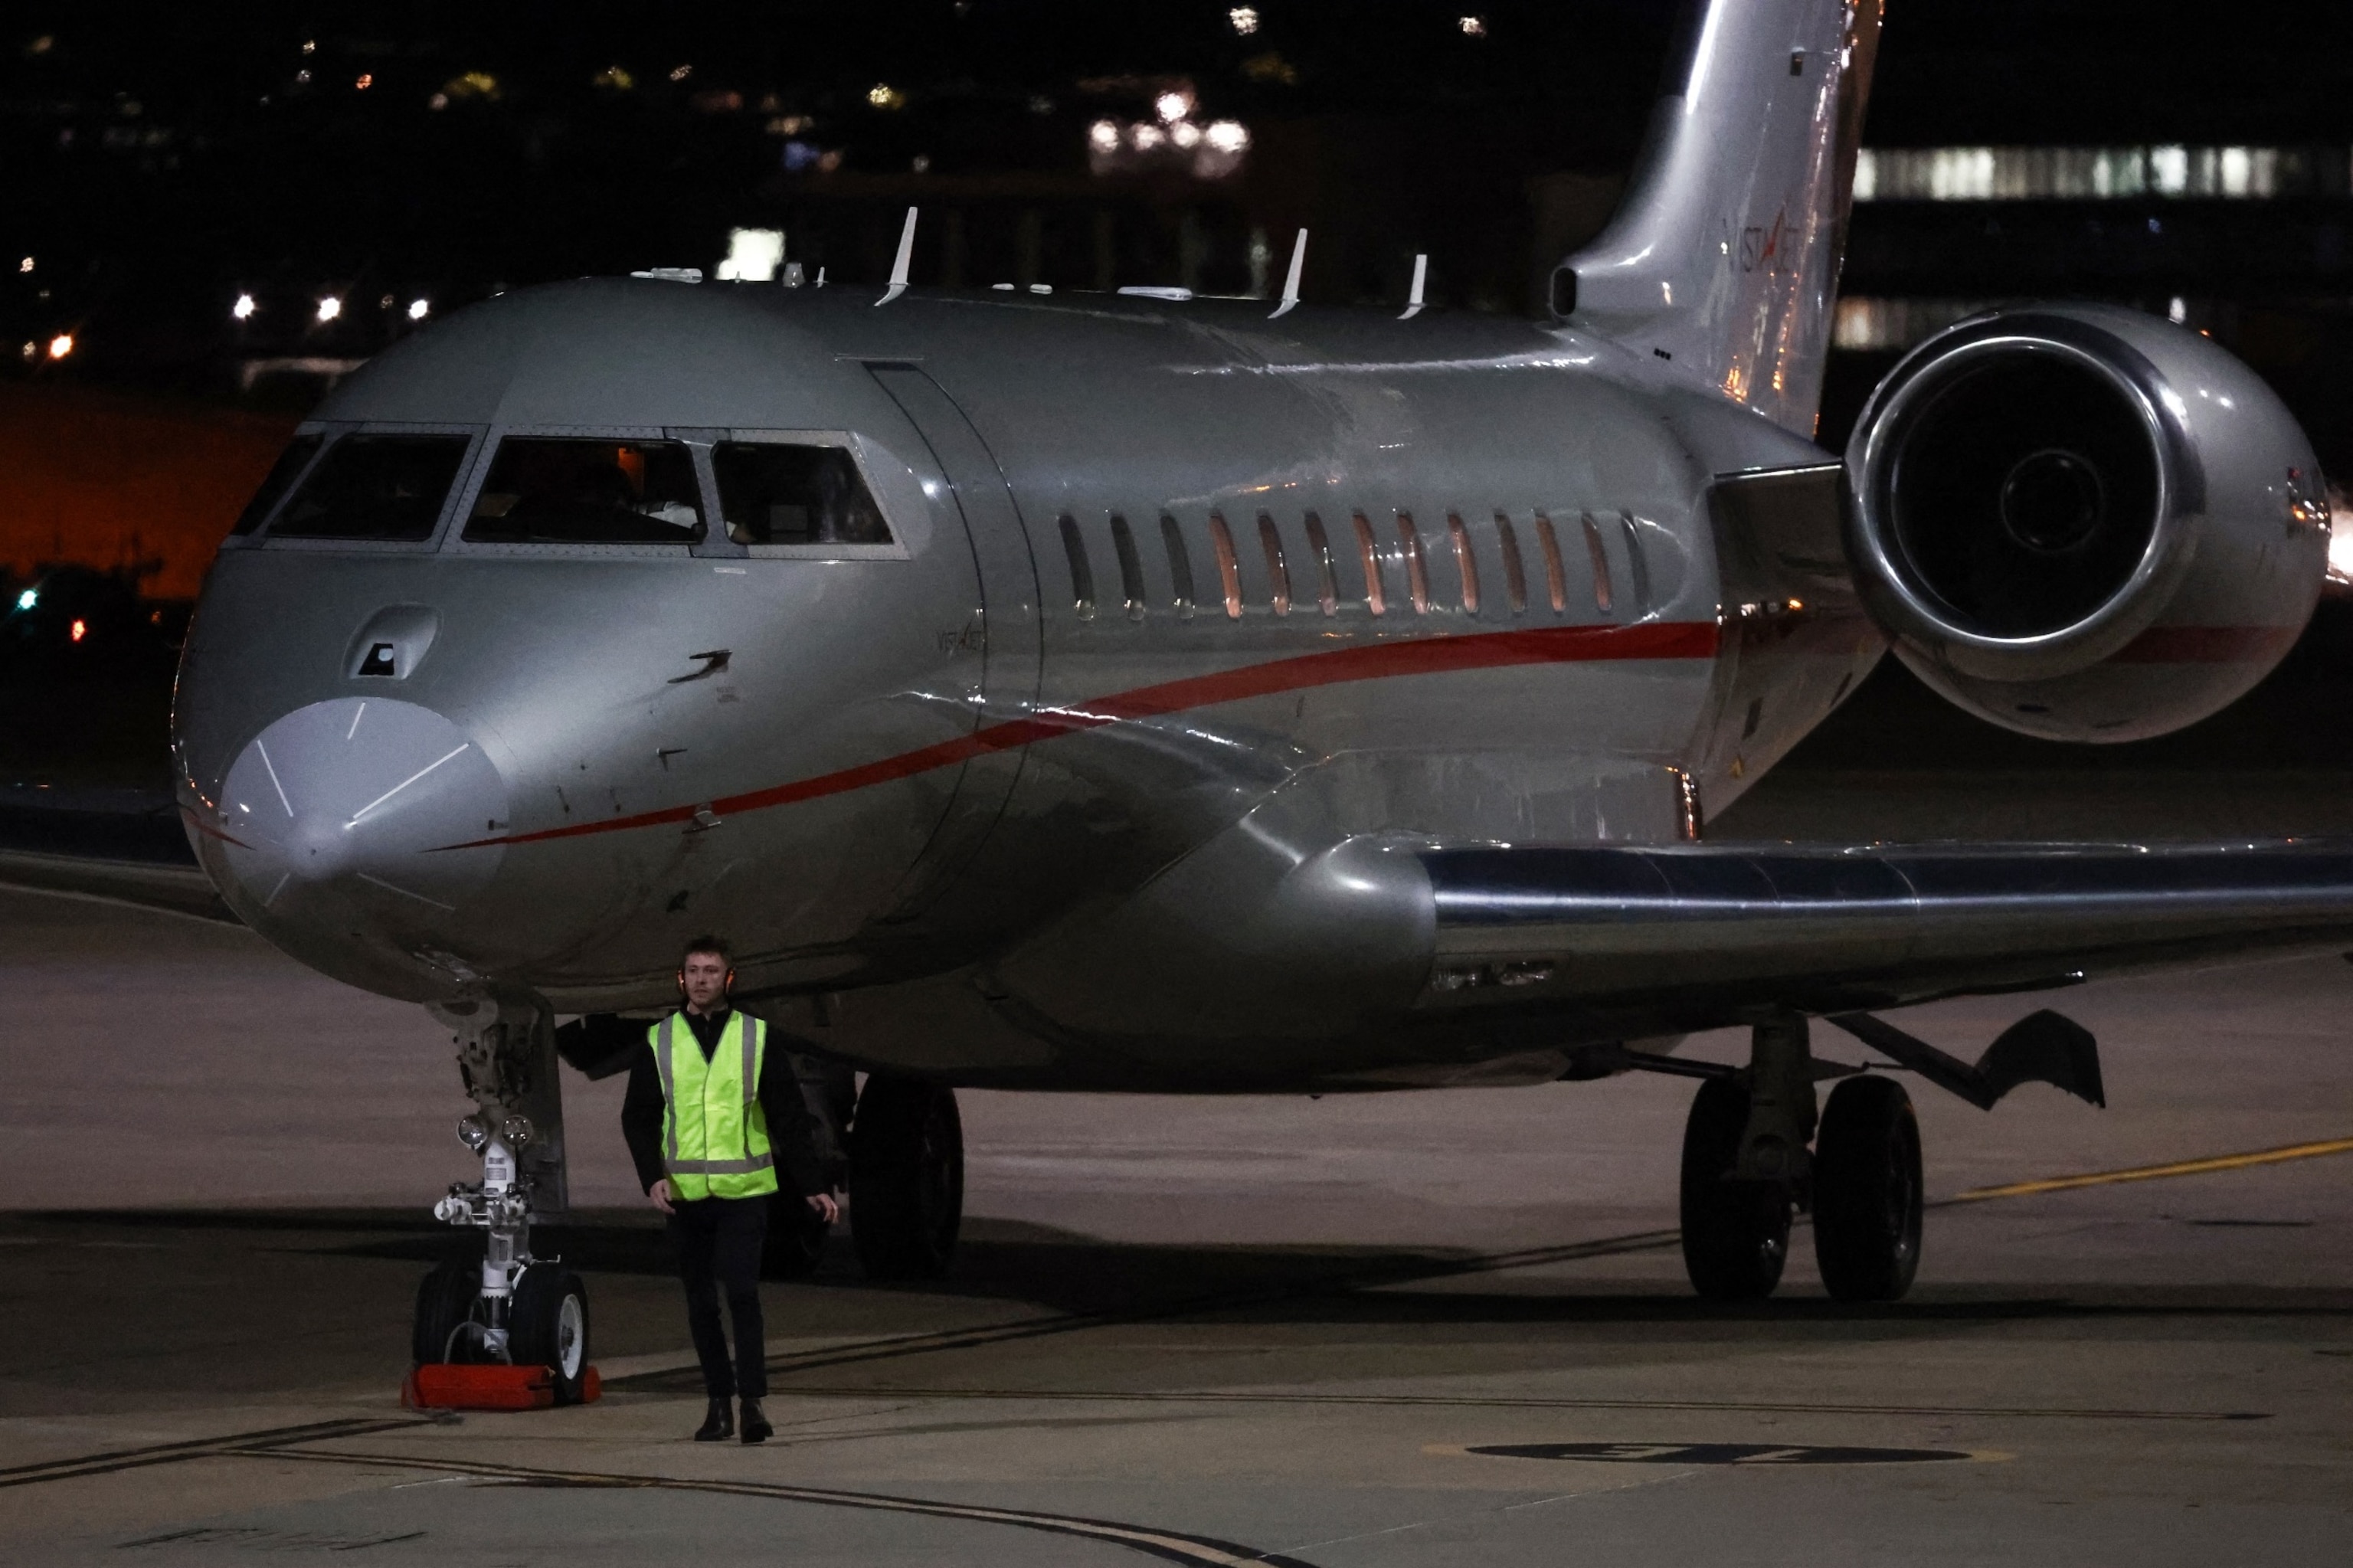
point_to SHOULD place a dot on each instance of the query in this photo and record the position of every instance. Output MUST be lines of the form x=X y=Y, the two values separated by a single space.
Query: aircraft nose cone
x=364 y=798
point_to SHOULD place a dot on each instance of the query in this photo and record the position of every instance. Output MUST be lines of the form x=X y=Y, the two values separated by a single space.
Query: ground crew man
x=714 y=1116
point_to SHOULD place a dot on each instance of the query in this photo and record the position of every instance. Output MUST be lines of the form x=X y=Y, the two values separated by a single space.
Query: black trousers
x=719 y=1245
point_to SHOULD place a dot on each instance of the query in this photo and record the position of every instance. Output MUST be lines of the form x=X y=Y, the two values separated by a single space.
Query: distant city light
x=882 y=95
x=2092 y=173
x=2176 y=310
x=366 y=80
x=752 y=255
x=418 y=309
x=1185 y=133
x=439 y=101
x=78 y=630
x=28 y=599
x=615 y=77
x=1173 y=106
x=310 y=46
x=1147 y=137
x=26 y=265
x=682 y=73
x=243 y=308
x=1229 y=135
x=1244 y=18
x=1473 y=27
x=330 y=308
x=303 y=76
x=1103 y=136
x=61 y=345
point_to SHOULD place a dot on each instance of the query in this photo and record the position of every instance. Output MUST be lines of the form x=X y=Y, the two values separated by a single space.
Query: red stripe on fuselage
x=1365 y=661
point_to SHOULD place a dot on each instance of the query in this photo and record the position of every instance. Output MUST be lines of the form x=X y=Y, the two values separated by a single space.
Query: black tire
x=796 y=1238
x=1867 y=1192
x=547 y=1326
x=445 y=1299
x=1735 y=1233
x=906 y=1178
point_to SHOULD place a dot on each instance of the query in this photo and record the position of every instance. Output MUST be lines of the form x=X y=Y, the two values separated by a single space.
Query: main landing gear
x=906 y=1178
x=1755 y=1151
x=498 y=1304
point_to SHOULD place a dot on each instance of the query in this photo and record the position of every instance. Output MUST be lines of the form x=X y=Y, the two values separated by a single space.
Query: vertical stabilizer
x=1724 y=255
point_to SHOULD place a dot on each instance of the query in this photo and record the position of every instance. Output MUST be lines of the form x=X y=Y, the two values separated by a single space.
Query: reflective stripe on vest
x=714 y=1134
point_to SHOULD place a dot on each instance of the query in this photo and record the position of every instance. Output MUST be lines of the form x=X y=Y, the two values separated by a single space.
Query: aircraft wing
x=121 y=846
x=1701 y=936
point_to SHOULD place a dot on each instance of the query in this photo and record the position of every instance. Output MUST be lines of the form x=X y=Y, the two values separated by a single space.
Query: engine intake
x=2083 y=522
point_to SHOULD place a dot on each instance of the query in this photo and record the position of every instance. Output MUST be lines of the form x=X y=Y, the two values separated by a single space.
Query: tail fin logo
x=1761 y=247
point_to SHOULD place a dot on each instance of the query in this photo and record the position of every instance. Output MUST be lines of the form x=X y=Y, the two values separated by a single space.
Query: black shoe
x=718 y=1426
x=756 y=1426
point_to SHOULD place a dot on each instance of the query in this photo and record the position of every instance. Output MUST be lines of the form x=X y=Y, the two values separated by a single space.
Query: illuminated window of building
x=1555 y=570
x=2090 y=174
x=1328 y=580
x=1368 y=551
x=1516 y=575
x=1417 y=571
x=1083 y=576
x=1180 y=567
x=1229 y=570
x=1130 y=569
x=1601 y=558
x=1270 y=539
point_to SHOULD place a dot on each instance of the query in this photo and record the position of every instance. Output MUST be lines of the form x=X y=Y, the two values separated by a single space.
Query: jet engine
x=2082 y=522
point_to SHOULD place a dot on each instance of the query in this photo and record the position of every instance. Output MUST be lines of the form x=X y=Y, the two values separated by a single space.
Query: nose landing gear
x=906 y=1178
x=504 y=1308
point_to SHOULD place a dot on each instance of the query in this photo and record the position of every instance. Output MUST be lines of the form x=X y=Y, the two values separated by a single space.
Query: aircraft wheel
x=1867 y=1192
x=547 y=1326
x=444 y=1301
x=1735 y=1233
x=796 y=1238
x=906 y=1178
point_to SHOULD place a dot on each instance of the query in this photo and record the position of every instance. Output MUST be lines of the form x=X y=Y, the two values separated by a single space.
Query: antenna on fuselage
x=1421 y=275
x=1291 y=285
x=899 y=268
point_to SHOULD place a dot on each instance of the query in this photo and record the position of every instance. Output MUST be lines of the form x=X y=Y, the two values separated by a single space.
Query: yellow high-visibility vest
x=714 y=1135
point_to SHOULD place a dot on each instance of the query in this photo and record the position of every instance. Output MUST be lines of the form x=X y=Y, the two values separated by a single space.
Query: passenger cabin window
x=282 y=475
x=1229 y=570
x=560 y=491
x=1637 y=566
x=1270 y=538
x=1130 y=569
x=1602 y=594
x=1515 y=572
x=1082 y=574
x=1555 y=570
x=773 y=492
x=374 y=487
x=1417 y=571
x=1180 y=567
x=1327 y=581
x=1369 y=550
x=1466 y=561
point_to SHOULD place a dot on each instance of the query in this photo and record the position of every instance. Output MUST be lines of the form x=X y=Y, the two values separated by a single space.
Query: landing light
x=61 y=345
x=243 y=308
x=417 y=309
x=330 y=308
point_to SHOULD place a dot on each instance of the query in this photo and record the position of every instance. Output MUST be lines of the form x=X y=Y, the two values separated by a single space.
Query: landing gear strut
x=1748 y=1168
x=906 y=1178
x=503 y=1304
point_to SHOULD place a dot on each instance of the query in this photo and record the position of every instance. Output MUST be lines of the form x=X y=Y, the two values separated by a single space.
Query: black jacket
x=791 y=1132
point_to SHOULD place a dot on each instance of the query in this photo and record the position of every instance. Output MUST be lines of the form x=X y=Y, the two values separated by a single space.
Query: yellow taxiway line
x=2153 y=1172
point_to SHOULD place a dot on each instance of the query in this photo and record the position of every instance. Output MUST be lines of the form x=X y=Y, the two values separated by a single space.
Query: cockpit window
x=772 y=494
x=282 y=475
x=562 y=490
x=374 y=487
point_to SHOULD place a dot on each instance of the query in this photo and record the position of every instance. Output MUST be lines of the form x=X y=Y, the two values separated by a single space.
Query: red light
x=80 y=629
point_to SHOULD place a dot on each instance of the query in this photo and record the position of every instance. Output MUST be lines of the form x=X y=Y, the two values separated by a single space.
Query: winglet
x=899 y=268
x=1421 y=275
x=1291 y=285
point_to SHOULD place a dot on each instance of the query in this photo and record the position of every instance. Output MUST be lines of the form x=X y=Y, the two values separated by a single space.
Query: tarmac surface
x=1420 y=1328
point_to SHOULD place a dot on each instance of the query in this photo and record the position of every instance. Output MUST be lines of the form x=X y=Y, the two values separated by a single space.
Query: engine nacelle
x=2082 y=522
